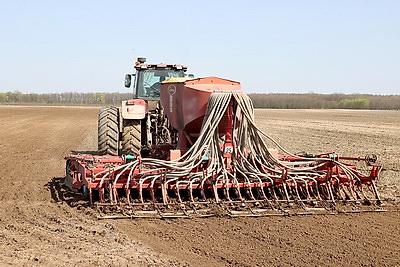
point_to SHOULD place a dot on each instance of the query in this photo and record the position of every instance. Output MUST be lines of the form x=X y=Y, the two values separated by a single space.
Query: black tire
x=108 y=131
x=131 y=137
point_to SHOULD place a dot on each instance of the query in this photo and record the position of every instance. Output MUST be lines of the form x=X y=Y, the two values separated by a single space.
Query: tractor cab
x=148 y=78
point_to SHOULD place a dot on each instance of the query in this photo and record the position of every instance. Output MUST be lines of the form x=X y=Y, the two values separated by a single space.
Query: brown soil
x=41 y=223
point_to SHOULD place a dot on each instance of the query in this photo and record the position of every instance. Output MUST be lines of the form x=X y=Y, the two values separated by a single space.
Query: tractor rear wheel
x=131 y=137
x=108 y=131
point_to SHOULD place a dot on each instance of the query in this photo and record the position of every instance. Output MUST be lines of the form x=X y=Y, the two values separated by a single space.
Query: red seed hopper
x=185 y=104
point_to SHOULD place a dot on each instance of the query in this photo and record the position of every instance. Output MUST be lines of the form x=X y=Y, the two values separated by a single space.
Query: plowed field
x=41 y=223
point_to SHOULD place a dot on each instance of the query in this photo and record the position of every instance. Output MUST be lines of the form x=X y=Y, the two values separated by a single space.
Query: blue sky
x=347 y=46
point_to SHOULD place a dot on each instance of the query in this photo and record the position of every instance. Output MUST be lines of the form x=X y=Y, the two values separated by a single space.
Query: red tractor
x=133 y=128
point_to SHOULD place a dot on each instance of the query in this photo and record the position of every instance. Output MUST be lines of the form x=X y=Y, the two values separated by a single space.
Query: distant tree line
x=277 y=101
x=70 y=98
x=326 y=101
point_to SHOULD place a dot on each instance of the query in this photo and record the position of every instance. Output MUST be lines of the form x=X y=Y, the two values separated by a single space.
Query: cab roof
x=142 y=66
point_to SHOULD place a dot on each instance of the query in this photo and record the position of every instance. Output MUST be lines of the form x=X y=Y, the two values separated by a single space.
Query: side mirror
x=128 y=80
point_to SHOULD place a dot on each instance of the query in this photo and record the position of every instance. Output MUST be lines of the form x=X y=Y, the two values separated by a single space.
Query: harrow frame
x=109 y=188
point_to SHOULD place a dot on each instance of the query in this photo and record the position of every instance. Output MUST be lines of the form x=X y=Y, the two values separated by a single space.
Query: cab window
x=149 y=81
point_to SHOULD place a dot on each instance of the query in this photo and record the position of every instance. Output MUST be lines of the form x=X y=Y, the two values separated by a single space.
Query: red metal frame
x=98 y=173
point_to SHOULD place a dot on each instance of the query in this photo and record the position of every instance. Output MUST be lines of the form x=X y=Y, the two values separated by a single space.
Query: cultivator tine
x=375 y=191
x=215 y=191
x=102 y=196
x=128 y=195
x=91 y=196
x=141 y=183
x=152 y=193
x=330 y=192
x=286 y=192
x=191 y=185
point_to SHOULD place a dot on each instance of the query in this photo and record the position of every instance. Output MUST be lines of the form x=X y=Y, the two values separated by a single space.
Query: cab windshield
x=149 y=81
